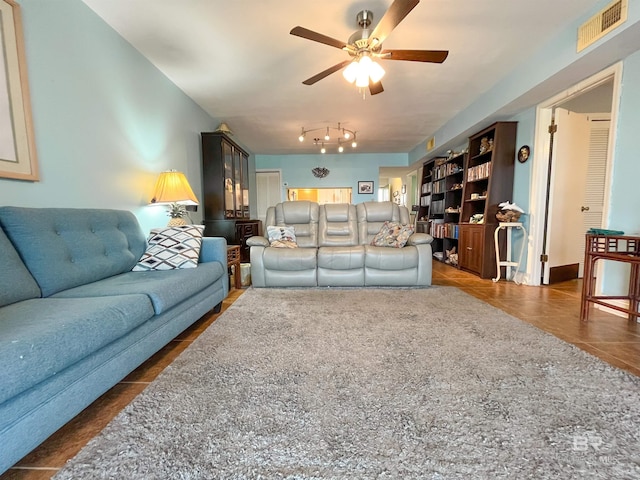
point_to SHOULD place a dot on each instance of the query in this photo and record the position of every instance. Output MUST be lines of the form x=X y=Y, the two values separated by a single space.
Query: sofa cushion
x=382 y=258
x=172 y=247
x=293 y=259
x=341 y=258
x=67 y=247
x=338 y=226
x=16 y=283
x=41 y=337
x=165 y=288
x=372 y=215
x=301 y=215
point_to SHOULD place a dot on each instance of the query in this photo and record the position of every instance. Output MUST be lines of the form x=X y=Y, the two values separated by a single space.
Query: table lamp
x=173 y=189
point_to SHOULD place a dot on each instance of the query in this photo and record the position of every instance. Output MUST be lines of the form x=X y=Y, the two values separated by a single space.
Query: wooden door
x=565 y=232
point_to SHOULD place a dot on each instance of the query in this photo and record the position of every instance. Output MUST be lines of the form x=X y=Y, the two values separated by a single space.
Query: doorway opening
x=320 y=195
x=574 y=144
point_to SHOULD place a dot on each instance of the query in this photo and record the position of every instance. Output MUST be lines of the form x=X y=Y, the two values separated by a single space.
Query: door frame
x=538 y=192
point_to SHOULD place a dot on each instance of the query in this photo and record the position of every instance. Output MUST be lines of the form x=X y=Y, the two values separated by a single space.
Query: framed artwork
x=365 y=187
x=17 y=144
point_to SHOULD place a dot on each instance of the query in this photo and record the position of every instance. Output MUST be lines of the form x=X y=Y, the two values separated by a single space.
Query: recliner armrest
x=257 y=241
x=419 y=239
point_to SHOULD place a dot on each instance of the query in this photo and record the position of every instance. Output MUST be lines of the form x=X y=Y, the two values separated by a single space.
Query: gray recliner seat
x=340 y=257
x=384 y=266
x=286 y=267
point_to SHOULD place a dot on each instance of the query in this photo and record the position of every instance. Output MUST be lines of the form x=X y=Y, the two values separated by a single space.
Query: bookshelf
x=488 y=181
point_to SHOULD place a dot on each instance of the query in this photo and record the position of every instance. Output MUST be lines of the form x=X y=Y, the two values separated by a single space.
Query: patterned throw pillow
x=172 y=247
x=392 y=234
x=282 y=236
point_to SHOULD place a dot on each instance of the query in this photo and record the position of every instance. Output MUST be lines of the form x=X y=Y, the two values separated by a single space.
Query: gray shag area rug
x=373 y=384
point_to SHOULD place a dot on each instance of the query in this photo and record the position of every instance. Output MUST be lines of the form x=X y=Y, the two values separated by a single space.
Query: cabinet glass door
x=244 y=183
x=229 y=205
x=237 y=183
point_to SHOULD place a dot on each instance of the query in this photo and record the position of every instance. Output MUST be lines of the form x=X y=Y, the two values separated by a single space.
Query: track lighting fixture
x=343 y=134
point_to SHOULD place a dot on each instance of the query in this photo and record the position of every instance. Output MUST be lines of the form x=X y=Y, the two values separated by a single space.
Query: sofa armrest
x=214 y=249
x=257 y=241
x=419 y=239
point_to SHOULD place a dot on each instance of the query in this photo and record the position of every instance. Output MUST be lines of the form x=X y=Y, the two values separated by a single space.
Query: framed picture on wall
x=17 y=145
x=365 y=187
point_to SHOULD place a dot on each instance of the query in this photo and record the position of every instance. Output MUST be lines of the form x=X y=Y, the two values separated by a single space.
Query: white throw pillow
x=172 y=247
x=282 y=236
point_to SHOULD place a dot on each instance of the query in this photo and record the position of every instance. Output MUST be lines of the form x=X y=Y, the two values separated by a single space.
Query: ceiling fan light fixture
x=376 y=72
x=351 y=72
x=362 y=79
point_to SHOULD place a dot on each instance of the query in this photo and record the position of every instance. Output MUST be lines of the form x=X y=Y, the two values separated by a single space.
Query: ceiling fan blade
x=316 y=37
x=326 y=73
x=433 y=56
x=375 y=88
x=392 y=17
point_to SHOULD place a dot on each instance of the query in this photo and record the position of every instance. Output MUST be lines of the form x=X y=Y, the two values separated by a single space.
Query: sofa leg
x=217 y=308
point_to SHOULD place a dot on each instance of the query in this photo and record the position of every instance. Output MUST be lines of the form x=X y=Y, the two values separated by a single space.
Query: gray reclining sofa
x=334 y=248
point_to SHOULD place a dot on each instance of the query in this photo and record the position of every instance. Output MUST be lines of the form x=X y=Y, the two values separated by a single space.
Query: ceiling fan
x=365 y=46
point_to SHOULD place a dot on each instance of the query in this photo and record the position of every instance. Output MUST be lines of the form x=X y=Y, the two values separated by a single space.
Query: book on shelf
x=479 y=172
x=439 y=186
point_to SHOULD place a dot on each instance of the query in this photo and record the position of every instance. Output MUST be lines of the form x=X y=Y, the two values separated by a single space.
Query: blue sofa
x=74 y=318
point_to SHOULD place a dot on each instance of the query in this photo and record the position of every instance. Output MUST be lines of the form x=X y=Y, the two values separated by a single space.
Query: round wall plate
x=523 y=153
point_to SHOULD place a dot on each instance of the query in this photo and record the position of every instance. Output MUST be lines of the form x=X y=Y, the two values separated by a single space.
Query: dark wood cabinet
x=225 y=178
x=472 y=242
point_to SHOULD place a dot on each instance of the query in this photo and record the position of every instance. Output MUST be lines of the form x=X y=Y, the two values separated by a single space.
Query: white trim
x=540 y=160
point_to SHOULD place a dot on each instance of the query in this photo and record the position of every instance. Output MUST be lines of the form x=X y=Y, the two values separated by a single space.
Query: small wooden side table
x=617 y=248
x=233 y=260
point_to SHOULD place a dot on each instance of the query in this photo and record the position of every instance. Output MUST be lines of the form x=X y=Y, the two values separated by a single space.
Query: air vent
x=607 y=19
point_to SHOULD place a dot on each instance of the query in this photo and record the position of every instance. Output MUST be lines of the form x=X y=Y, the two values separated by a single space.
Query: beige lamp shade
x=172 y=187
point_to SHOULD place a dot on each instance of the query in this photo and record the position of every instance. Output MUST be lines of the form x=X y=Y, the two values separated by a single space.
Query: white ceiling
x=238 y=61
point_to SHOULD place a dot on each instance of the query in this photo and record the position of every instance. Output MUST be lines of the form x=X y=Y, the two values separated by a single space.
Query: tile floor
x=552 y=308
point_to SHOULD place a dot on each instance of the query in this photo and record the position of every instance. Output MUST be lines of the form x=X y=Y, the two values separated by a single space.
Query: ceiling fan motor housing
x=364 y=18
x=360 y=37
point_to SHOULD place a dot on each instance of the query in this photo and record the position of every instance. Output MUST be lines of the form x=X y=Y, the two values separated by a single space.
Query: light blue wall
x=345 y=170
x=624 y=213
x=522 y=177
x=106 y=121
x=554 y=68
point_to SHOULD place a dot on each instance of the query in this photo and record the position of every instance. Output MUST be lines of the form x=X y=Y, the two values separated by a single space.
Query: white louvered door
x=593 y=204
